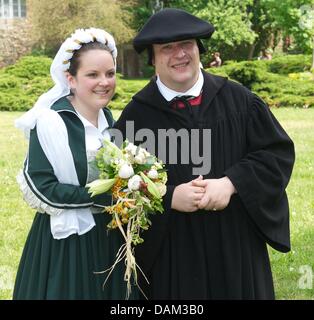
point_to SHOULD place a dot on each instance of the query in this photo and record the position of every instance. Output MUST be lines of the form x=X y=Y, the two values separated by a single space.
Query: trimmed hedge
x=22 y=83
x=283 y=81
x=125 y=90
x=290 y=64
x=30 y=67
x=291 y=85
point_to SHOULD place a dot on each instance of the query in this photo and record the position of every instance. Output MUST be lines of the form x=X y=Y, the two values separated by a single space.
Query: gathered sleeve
x=262 y=176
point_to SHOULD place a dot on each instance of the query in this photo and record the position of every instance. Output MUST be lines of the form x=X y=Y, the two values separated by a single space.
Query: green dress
x=66 y=268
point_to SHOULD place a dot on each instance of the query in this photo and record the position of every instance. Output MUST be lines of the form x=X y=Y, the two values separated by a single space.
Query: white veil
x=60 y=64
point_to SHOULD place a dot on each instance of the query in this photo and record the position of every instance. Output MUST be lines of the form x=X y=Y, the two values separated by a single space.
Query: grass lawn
x=293 y=272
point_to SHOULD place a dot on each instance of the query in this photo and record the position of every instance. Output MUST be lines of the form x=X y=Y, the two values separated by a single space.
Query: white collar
x=169 y=94
x=102 y=121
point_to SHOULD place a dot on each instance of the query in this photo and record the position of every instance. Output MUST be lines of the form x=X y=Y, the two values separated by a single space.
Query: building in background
x=10 y=9
x=14 y=28
x=15 y=39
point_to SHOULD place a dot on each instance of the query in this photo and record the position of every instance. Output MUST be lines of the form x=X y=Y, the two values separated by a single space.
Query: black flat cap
x=171 y=25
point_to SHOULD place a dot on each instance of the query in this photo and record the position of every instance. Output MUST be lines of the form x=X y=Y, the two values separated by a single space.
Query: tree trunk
x=120 y=60
x=251 y=51
x=312 y=68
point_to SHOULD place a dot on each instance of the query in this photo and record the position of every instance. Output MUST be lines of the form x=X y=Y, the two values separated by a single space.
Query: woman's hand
x=217 y=195
x=186 y=196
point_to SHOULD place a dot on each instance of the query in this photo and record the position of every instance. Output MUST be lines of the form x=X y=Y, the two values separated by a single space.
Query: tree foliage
x=287 y=17
x=295 y=18
x=53 y=21
x=243 y=27
x=230 y=18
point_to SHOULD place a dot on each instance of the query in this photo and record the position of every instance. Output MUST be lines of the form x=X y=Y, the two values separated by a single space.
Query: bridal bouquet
x=137 y=181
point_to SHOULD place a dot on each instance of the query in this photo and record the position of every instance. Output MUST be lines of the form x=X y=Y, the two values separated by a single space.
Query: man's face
x=177 y=64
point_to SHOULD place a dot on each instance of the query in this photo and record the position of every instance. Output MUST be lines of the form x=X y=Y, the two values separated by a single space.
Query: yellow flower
x=116 y=189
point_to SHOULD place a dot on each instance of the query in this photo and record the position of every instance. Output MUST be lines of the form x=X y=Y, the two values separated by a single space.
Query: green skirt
x=65 y=269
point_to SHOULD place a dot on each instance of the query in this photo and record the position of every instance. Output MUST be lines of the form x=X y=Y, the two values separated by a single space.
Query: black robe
x=222 y=254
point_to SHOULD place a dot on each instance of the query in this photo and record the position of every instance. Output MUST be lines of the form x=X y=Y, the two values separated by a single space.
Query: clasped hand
x=208 y=194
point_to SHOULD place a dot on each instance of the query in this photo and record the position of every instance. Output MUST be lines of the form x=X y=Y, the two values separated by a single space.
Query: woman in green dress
x=68 y=241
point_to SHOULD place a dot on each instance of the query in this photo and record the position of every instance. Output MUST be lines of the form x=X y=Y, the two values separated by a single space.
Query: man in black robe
x=220 y=213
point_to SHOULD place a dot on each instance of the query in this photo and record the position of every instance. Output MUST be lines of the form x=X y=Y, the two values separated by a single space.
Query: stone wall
x=14 y=40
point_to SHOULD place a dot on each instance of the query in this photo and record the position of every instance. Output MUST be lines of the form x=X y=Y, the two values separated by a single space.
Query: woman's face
x=95 y=80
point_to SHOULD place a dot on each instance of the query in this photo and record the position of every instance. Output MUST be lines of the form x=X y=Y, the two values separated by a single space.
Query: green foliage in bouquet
x=137 y=182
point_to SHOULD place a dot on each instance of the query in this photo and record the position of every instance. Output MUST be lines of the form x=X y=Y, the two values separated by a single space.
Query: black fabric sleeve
x=262 y=176
x=167 y=198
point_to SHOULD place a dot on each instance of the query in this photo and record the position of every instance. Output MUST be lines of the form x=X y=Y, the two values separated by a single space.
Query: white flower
x=157 y=165
x=126 y=171
x=162 y=188
x=104 y=37
x=119 y=162
x=131 y=148
x=141 y=156
x=140 y=159
x=129 y=158
x=144 y=152
x=82 y=36
x=134 y=182
x=67 y=55
x=74 y=45
x=67 y=45
x=152 y=174
x=65 y=66
x=98 y=34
